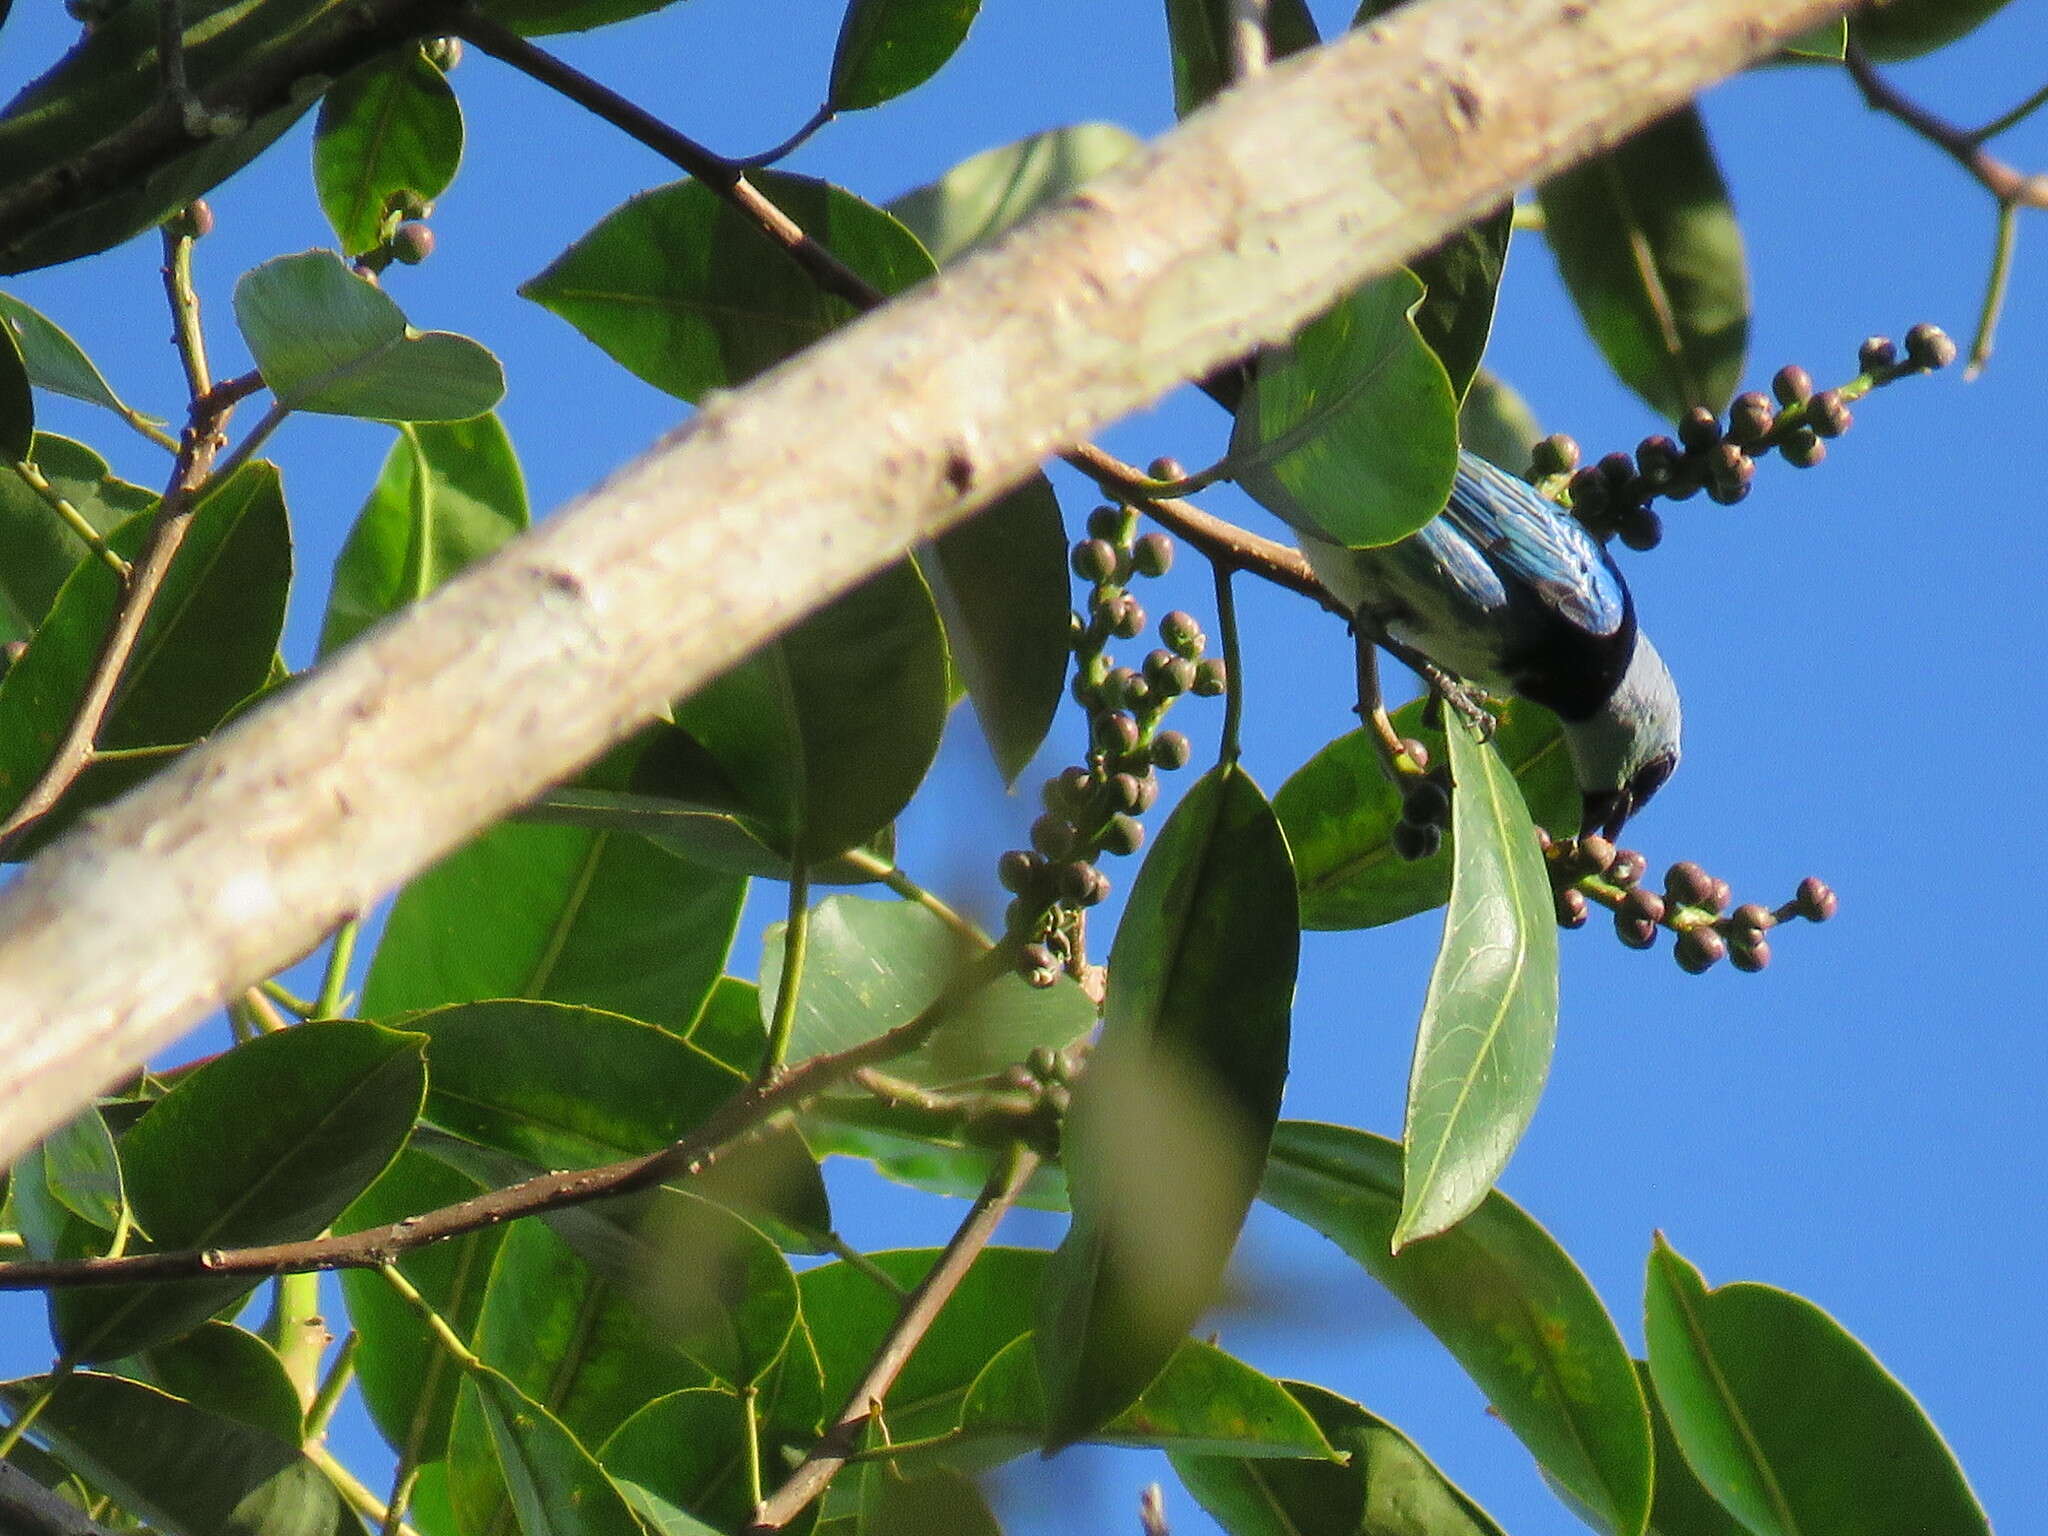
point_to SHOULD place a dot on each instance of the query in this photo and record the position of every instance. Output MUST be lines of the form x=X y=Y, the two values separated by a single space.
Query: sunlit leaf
x=388 y=141
x=887 y=47
x=55 y=362
x=42 y=549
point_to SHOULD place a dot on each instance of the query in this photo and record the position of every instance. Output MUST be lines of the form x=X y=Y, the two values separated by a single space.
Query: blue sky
x=1855 y=646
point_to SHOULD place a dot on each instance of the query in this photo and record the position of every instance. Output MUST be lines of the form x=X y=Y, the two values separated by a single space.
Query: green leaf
x=449 y=494
x=1460 y=277
x=229 y=1371
x=1829 y=40
x=887 y=47
x=1496 y=423
x=987 y=193
x=686 y=292
x=1790 y=1422
x=688 y=1450
x=1199 y=33
x=318 y=1111
x=873 y=965
x=905 y=1147
x=926 y=1503
x=17 y=405
x=405 y=1375
x=1204 y=1401
x=386 y=145
x=850 y=1314
x=1650 y=251
x=827 y=731
x=111 y=79
x=1000 y=583
x=1681 y=1507
x=55 y=362
x=41 y=548
x=538 y=18
x=1502 y=1297
x=1490 y=1020
x=1385 y=1485
x=1891 y=30
x=1168 y=1132
x=83 y=1171
x=558 y=914
x=330 y=341
x=186 y=1471
x=207 y=643
x=1339 y=812
x=555 y=1485
x=1350 y=432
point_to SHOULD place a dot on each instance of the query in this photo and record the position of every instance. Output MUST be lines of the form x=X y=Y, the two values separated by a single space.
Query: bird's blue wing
x=1536 y=542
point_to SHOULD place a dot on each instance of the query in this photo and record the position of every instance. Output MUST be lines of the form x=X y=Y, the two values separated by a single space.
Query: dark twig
x=377 y=1246
x=920 y=1309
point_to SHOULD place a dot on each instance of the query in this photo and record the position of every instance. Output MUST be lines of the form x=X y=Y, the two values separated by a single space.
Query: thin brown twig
x=374 y=1247
x=920 y=1309
x=2005 y=182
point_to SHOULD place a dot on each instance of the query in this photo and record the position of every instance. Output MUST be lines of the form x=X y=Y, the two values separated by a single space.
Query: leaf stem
x=334 y=980
x=1233 y=664
x=58 y=1373
x=352 y=1491
x=896 y=880
x=795 y=941
x=1994 y=289
x=332 y=1386
x=73 y=519
x=187 y=334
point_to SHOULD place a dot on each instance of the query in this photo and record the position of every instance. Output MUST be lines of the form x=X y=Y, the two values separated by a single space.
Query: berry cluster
x=1425 y=802
x=1092 y=808
x=1612 y=497
x=1694 y=904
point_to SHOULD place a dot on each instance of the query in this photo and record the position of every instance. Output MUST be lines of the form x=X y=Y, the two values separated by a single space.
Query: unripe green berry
x=1126 y=792
x=1164 y=468
x=1109 y=524
x=1803 y=449
x=412 y=244
x=1556 y=454
x=1827 y=414
x=1181 y=634
x=1171 y=750
x=1130 y=619
x=1211 y=680
x=1596 y=855
x=1094 y=560
x=1124 y=835
x=1116 y=733
x=1152 y=555
x=1791 y=384
x=1053 y=837
x=1018 y=871
x=1075 y=881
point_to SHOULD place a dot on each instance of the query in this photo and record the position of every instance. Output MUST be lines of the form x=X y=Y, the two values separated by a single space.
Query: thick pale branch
x=1253 y=215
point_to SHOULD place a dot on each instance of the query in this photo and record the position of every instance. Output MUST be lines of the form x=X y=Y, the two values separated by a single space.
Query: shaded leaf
x=1387 y=1487
x=229 y=1371
x=1790 y=1422
x=1460 y=276
x=1199 y=33
x=938 y=1501
x=602 y=919
x=987 y=193
x=887 y=47
x=688 y=1450
x=328 y=340
x=318 y=1112
x=999 y=581
x=1482 y=1053
x=689 y=294
x=1350 y=432
x=1339 y=811
x=387 y=142
x=83 y=1171
x=554 y=1484
x=1829 y=41
x=17 y=406
x=1649 y=249
x=1681 y=1507
x=1904 y=29
x=449 y=494
x=538 y=18
x=41 y=549
x=55 y=362
x=186 y=1471
x=1502 y=1297
x=1496 y=423
x=1167 y=1135
x=873 y=965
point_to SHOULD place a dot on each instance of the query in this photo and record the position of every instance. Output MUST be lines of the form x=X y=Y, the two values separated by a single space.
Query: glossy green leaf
x=1351 y=431
x=1681 y=1506
x=887 y=47
x=827 y=731
x=318 y=1111
x=83 y=1171
x=1167 y=1134
x=1386 y=1486
x=688 y=1450
x=1489 y=1022
x=937 y=1501
x=1203 y=1401
x=17 y=405
x=558 y=914
x=873 y=965
x=328 y=340
x=1460 y=276
x=850 y=1314
x=186 y=1471
x=728 y=1027
x=686 y=291
x=207 y=643
x=1000 y=583
x=386 y=145
x=449 y=494
x=55 y=362
x=987 y=193
x=1788 y=1420
x=554 y=1484
x=537 y=18
x=905 y=1147
x=1650 y=251
x=231 y=1372
x=1829 y=41
x=404 y=1374
x=1199 y=34
x=1339 y=812
x=1502 y=1297
x=1496 y=423
x=41 y=548
x=110 y=79
x=1891 y=30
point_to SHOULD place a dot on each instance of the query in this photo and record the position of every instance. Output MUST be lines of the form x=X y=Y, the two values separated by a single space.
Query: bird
x=1505 y=590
